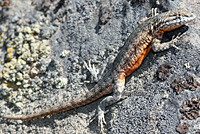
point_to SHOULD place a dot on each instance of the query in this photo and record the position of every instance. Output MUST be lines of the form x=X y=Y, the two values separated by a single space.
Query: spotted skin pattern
x=146 y=36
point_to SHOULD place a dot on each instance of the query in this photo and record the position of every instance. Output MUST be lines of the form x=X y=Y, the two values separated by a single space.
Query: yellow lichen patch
x=10 y=53
x=10 y=50
x=11 y=85
x=20 y=60
x=6 y=68
x=2 y=34
x=4 y=30
x=9 y=56
x=6 y=64
x=1 y=76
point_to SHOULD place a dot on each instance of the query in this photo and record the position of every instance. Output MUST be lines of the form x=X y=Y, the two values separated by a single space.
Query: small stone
x=28 y=37
x=60 y=82
x=26 y=55
x=187 y=65
x=166 y=95
x=25 y=81
x=56 y=23
x=19 y=104
x=26 y=85
x=64 y=53
x=12 y=67
x=34 y=71
x=26 y=76
x=19 y=76
x=18 y=83
x=6 y=76
x=13 y=61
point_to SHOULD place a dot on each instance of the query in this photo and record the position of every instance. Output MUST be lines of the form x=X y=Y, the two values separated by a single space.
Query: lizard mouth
x=190 y=18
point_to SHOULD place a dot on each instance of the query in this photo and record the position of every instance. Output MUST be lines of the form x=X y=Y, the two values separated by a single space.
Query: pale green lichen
x=5 y=90
x=35 y=47
x=16 y=73
x=27 y=29
x=60 y=82
x=19 y=39
x=21 y=70
x=16 y=98
x=32 y=49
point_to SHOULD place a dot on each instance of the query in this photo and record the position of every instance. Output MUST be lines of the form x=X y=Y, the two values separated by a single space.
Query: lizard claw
x=154 y=12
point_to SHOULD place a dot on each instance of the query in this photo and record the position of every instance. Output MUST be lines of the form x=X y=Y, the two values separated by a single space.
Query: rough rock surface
x=95 y=30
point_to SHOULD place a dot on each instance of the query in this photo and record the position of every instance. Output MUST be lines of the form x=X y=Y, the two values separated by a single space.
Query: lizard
x=145 y=37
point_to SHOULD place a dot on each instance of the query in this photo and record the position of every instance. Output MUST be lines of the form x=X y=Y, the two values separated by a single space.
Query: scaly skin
x=146 y=36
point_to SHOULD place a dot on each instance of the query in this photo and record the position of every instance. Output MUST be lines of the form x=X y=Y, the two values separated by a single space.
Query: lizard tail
x=79 y=101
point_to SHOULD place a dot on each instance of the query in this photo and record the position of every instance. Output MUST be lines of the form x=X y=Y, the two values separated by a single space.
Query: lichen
x=60 y=82
x=22 y=51
x=26 y=63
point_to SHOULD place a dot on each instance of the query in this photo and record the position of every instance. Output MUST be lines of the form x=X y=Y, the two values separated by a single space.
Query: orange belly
x=139 y=61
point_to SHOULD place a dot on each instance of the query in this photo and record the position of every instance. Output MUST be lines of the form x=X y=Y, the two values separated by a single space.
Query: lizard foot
x=175 y=40
x=91 y=68
x=101 y=120
x=154 y=12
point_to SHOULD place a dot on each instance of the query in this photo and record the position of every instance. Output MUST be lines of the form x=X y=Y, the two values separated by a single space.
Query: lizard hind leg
x=99 y=73
x=94 y=72
x=109 y=100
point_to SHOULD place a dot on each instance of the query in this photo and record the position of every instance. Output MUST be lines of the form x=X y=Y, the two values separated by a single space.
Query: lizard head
x=172 y=20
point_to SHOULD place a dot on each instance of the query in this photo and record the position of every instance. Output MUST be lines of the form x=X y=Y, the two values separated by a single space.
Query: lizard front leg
x=157 y=46
x=118 y=88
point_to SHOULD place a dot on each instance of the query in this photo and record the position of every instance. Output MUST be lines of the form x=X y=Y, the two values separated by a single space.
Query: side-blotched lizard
x=146 y=36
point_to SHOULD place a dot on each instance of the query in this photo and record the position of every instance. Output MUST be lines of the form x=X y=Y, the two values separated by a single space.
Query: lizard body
x=146 y=36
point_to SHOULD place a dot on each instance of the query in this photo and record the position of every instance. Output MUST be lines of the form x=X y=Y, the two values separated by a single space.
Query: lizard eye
x=178 y=17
